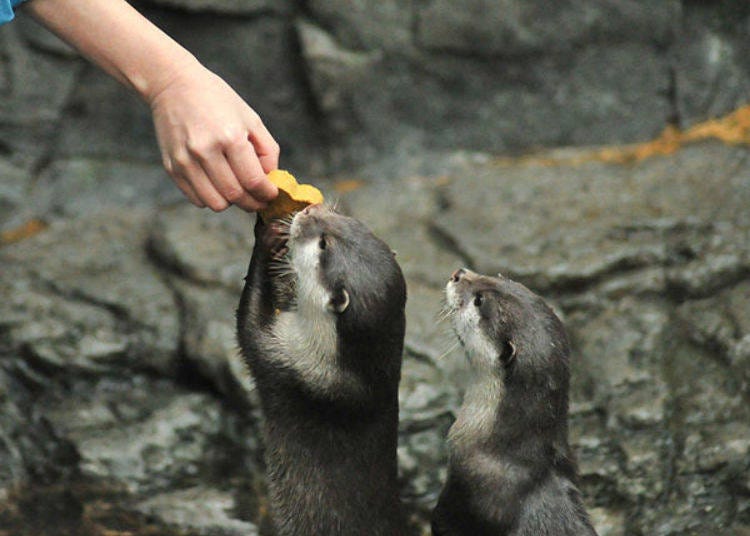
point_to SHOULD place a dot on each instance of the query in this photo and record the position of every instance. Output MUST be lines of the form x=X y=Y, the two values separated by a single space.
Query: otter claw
x=274 y=237
x=280 y=252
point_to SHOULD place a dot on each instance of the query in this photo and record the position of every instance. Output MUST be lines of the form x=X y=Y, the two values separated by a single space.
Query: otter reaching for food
x=511 y=470
x=321 y=326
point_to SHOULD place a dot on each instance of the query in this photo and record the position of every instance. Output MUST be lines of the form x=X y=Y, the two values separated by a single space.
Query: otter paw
x=274 y=238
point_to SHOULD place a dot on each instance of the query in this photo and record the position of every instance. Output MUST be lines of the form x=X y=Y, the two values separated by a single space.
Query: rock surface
x=119 y=377
x=233 y=7
x=340 y=84
x=509 y=28
x=123 y=405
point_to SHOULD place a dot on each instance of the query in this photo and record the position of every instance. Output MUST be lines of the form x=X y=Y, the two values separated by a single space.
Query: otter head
x=342 y=268
x=507 y=330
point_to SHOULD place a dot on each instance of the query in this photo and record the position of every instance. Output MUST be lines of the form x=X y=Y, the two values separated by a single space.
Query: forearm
x=113 y=35
x=213 y=145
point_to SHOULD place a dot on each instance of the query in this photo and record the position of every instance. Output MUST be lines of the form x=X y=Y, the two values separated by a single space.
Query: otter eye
x=478 y=300
x=322 y=242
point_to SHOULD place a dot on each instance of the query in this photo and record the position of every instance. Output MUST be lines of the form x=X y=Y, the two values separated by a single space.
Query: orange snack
x=292 y=197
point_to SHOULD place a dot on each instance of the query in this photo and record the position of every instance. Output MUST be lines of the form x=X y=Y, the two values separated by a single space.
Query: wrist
x=172 y=70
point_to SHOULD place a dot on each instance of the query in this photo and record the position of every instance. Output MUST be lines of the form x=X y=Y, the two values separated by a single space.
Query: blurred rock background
x=123 y=407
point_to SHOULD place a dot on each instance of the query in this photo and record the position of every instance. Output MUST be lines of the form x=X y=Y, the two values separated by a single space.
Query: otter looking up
x=321 y=326
x=511 y=471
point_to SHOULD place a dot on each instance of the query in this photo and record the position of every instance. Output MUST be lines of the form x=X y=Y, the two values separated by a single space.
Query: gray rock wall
x=342 y=83
x=123 y=406
x=123 y=402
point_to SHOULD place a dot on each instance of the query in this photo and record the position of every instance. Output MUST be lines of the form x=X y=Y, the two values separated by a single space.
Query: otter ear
x=339 y=301
x=509 y=354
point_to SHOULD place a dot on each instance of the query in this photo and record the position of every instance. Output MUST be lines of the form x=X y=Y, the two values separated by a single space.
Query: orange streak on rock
x=348 y=185
x=732 y=129
x=22 y=232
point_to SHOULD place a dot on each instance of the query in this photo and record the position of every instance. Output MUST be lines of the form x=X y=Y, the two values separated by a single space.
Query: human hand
x=213 y=145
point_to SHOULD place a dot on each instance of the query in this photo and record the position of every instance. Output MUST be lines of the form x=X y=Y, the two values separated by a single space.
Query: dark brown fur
x=515 y=475
x=330 y=449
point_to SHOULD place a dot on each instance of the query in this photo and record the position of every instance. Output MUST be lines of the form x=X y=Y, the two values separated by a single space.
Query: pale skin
x=213 y=145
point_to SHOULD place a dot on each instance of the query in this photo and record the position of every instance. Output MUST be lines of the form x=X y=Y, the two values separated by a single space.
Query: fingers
x=247 y=168
x=215 y=146
x=218 y=171
x=226 y=182
x=265 y=145
x=195 y=184
x=182 y=183
x=188 y=190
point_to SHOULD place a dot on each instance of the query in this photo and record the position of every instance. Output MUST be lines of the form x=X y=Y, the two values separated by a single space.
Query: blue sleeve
x=6 y=9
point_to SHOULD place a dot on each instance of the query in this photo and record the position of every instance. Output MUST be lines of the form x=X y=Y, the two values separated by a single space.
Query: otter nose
x=457 y=275
x=310 y=209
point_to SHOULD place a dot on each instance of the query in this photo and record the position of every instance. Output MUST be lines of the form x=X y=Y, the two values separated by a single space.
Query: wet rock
x=623 y=406
x=399 y=212
x=378 y=202
x=635 y=210
x=201 y=511
x=644 y=465
x=597 y=456
x=334 y=73
x=713 y=331
x=422 y=460
x=403 y=96
x=367 y=24
x=487 y=89
x=518 y=28
x=104 y=120
x=717 y=257
x=140 y=435
x=31 y=451
x=720 y=326
x=428 y=401
x=617 y=350
x=203 y=247
x=427 y=335
x=34 y=87
x=648 y=282
x=82 y=186
x=427 y=395
x=54 y=334
x=739 y=357
x=641 y=405
x=703 y=508
x=210 y=341
x=711 y=448
x=83 y=294
x=719 y=322
x=607 y=522
x=502 y=244
x=13 y=189
x=707 y=392
x=712 y=77
x=233 y=7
